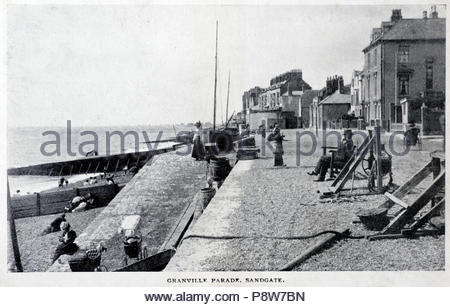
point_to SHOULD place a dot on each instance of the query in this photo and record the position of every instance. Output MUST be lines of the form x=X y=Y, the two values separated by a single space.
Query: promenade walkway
x=157 y=195
x=258 y=202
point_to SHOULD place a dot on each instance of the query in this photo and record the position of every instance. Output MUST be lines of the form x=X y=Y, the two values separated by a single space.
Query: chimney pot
x=425 y=15
x=396 y=15
x=434 y=13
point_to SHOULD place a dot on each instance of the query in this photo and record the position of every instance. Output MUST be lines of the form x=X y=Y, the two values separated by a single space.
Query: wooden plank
x=57 y=197
x=396 y=200
x=25 y=200
x=343 y=170
x=438 y=154
x=327 y=238
x=427 y=215
x=25 y=211
x=417 y=178
x=401 y=235
x=404 y=217
x=38 y=204
x=352 y=168
x=24 y=214
x=378 y=159
x=414 y=181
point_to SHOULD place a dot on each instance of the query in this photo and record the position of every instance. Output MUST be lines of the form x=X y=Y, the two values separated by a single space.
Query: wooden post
x=137 y=162
x=89 y=166
x=12 y=230
x=378 y=157
x=215 y=76
x=38 y=203
x=96 y=168
x=329 y=237
x=117 y=165
x=435 y=167
x=324 y=129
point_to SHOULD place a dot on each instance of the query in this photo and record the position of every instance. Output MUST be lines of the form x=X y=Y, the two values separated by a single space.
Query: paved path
x=259 y=200
x=159 y=194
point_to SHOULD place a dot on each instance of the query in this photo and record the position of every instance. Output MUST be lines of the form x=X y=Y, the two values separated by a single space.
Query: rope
x=339 y=234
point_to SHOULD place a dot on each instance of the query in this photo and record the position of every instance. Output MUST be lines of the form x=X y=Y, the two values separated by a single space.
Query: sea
x=35 y=145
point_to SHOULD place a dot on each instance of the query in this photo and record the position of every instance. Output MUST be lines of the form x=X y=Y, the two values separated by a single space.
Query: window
x=375 y=56
x=429 y=75
x=375 y=84
x=368 y=59
x=403 y=82
x=368 y=88
x=403 y=54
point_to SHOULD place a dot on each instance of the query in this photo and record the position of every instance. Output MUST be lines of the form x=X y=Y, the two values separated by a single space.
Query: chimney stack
x=341 y=84
x=434 y=13
x=425 y=15
x=396 y=15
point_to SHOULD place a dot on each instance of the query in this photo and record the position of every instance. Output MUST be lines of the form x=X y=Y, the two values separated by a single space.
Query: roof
x=414 y=29
x=336 y=98
x=310 y=94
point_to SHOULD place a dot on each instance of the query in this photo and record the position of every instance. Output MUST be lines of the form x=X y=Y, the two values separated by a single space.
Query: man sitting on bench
x=344 y=152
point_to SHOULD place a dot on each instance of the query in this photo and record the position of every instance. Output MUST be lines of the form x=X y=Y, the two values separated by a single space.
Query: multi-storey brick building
x=405 y=58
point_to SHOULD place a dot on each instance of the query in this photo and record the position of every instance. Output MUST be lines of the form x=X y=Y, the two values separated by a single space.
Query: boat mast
x=228 y=98
x=215 y=77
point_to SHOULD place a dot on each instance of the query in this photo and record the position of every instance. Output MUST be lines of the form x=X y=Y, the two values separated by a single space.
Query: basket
x=374 y=219
x=132 y=246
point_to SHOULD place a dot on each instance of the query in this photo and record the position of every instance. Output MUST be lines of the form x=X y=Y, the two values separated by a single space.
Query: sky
x=127 y=64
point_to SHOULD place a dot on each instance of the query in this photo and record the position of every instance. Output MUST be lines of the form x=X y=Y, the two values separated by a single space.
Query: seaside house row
x=332 y=105
x=403 y=74
x=278 y=103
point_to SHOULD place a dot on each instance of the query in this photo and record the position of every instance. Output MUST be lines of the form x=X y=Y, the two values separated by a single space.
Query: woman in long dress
x=197 y=150
x=277 y=139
